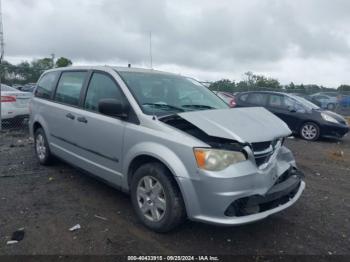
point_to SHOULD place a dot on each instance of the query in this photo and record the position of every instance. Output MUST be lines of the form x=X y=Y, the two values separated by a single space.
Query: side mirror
x=292 y=109
x=112 y=107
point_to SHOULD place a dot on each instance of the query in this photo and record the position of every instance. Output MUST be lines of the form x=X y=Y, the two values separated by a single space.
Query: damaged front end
x=266 y=182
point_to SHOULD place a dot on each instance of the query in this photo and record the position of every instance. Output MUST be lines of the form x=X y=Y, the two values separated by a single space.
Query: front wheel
x=310 y=131
x=156 y=198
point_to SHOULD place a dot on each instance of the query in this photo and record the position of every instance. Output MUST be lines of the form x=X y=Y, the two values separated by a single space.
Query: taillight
x=232 y=103
x=8 y=99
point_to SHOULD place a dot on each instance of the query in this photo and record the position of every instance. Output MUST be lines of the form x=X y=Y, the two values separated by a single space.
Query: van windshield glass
x=161 y=94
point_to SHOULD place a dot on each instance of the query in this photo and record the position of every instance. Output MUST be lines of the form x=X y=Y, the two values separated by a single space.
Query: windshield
x=305 y=103
x=161 y=94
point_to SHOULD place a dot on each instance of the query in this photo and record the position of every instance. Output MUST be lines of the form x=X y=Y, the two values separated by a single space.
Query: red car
x=227 y=97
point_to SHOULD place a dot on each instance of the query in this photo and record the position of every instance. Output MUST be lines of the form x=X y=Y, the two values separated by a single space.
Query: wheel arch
x=313 y=122
x=159 y=154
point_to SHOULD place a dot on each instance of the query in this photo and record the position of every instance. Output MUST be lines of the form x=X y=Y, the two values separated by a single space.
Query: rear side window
x=257 y=99
x=281 y=101
x=69 y=87
x=101 y=86
x=46 y=85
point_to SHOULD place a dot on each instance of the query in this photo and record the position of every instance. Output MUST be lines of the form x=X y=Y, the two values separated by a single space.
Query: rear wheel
x=310 y=131
x=156 y=198
x=42 y=149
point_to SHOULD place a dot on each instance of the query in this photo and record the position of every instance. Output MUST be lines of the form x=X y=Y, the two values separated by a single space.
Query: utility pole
x=150 y=49
x=53 y=60
x=1 y=56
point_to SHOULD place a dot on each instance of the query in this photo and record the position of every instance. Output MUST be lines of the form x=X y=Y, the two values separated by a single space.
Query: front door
x=101 y=137
x=283 y=107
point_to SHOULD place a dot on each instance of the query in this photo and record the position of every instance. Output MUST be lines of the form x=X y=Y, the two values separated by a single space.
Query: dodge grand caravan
x=172 y=144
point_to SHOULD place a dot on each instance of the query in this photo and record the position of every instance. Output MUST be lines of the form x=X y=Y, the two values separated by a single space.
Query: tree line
x=253 y=81
x=29 y=72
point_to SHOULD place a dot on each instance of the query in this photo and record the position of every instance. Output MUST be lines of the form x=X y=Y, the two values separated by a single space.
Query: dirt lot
x=47 y=201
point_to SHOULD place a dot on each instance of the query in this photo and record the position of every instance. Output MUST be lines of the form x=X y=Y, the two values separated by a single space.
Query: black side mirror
x=292 y=109
x=113 y=107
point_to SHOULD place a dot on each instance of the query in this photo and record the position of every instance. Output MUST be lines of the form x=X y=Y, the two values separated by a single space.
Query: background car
x=18 y=87
x=326 y=101
x=303 y=117
x=344 y=101
x=308 y=97
x=28 y=88
x=14 y=104
x=227 y=97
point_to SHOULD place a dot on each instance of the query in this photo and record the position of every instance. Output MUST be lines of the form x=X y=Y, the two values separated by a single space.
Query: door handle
x=70 y=116
x=82 y=120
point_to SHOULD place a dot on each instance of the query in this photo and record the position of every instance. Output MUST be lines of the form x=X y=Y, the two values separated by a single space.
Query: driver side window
x=100 y=87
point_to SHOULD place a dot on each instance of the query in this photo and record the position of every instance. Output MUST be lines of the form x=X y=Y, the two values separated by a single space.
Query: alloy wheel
x=151 y=198
x=309 y=131
x=40 y=147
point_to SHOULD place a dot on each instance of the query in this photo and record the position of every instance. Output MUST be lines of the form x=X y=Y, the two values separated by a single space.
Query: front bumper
x=242 y=193
x=334 y=130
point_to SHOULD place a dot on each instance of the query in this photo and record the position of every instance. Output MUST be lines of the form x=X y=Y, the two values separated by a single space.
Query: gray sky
x=305 y=41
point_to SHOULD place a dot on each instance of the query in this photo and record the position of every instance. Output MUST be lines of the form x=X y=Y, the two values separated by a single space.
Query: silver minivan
x=172 y=144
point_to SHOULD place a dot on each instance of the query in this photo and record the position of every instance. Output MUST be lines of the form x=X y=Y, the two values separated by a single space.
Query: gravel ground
x=47 y=201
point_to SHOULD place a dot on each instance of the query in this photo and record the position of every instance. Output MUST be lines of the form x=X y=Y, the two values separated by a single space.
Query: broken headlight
x=217 y=160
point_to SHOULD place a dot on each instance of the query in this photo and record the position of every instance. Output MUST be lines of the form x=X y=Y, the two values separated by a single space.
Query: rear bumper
x=11 y=113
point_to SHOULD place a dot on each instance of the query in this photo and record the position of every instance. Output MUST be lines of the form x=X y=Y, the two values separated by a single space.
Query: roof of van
x=116 y=68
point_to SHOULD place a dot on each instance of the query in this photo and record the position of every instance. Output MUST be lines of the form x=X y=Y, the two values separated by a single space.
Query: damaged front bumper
x=243 y=193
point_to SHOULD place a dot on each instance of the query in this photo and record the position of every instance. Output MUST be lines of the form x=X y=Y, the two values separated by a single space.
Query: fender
x=39 y=119
x=164 y=155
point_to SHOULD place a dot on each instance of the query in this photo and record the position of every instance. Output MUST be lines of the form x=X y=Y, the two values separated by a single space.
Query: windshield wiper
x=198 y=106
x=164 y=106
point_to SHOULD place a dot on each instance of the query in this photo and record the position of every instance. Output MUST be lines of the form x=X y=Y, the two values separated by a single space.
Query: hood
x=253 y=124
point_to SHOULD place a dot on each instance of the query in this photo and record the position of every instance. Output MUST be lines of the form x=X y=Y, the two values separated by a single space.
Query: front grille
x=264 y=150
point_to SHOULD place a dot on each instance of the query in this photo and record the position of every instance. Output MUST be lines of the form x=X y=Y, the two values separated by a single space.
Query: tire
x=156 y=198
x=42 y=150
x=331 y=106
x=310 y=131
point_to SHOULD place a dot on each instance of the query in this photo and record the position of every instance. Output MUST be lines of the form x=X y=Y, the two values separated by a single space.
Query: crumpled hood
x=250 y=124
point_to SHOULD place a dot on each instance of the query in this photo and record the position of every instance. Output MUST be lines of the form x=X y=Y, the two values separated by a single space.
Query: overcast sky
x=305 y=41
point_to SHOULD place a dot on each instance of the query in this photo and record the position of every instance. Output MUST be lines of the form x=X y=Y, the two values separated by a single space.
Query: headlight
x=217 y=160
x=329 y=118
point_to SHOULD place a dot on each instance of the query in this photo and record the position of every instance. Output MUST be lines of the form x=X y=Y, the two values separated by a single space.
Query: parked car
x=344 y=100
x=329 y=93
x=14 y=104
x=303 y=117
x=28 y=88
x=18 y=87
x=307 y=97
x=227 y=97
x=326 y=101
x=177 y=148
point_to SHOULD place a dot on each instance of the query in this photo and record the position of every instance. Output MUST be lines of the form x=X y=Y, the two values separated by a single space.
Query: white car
x=14 y=103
